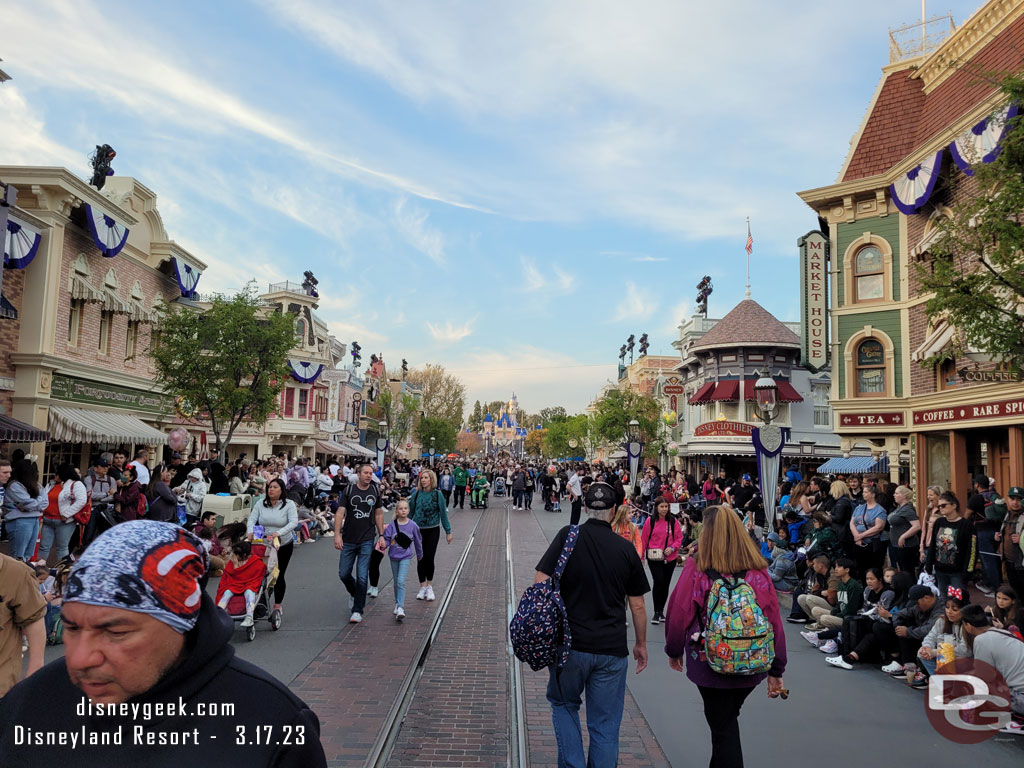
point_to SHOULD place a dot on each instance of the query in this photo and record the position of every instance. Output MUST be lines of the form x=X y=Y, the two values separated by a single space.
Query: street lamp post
x=634 y=447
x=432 y=451
x=382 y=443
x=769 y=441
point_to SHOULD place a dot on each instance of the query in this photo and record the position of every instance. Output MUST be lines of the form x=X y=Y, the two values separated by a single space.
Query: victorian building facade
x=948 y=421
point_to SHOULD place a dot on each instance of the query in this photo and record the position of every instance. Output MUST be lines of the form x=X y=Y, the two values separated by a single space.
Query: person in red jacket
x=724 y=548
x=662 y=537
x=243 y=575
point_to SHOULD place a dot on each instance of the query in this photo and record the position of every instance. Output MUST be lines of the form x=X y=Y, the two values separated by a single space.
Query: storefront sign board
x=723 y=429
x=886 y=419
x=814 y=299
x=1001 y=409
x=77 y=390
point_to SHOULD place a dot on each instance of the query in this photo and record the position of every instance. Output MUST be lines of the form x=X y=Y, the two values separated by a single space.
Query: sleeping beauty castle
x=504 y=433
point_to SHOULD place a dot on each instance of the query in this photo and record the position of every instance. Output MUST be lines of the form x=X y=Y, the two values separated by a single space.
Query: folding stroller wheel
x=250 y=633
x=275 y=620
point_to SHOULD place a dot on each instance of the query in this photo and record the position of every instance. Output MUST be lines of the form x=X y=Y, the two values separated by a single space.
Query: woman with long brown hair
x=724 y=549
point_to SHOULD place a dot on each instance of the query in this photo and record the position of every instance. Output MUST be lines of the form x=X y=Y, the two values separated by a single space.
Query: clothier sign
x=814 y=299
x=724 y=429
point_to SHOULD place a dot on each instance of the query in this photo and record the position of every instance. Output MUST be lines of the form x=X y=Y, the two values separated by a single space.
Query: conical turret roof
x=748 y=325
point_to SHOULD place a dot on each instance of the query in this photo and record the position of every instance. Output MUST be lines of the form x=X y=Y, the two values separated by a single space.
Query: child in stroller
x=499 y=486
x=244 y=583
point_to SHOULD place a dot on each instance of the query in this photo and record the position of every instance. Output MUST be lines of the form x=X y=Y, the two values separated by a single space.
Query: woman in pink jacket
x=724 y=548
x=661 y=540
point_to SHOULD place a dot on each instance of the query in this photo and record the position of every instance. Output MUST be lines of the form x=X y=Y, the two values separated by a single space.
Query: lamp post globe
x=766 y=391
x=633 y=429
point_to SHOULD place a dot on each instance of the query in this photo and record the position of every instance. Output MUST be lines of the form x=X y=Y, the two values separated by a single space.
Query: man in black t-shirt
x=360 y=519
x=985 y=530
x=601 y=573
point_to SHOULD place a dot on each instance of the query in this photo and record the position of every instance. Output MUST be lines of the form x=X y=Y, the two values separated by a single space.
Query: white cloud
x=25 y=141
x=675 y=318
x=533 y=280
x=449 y=333
x=411 y=221
x=566 y=282
x=634 y=305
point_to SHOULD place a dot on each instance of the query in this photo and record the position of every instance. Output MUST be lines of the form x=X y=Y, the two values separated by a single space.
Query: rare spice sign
x=1000 y=409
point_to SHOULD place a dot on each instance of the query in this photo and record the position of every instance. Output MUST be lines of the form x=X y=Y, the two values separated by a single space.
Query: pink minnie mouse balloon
x=178 y=439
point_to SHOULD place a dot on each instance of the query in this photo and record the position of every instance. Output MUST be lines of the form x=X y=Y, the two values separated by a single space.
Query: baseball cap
x=599 y=496
x=101 y=463
x=176 y=455
x=746 y=476
x=1016 y=492
x=774 y=538
x=918 y=591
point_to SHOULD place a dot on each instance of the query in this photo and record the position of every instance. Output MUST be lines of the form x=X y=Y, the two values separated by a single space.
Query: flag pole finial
x=750 y=249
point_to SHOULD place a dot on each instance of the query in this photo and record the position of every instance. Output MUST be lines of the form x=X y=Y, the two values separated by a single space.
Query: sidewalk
x=353 y=683
x=638 y=746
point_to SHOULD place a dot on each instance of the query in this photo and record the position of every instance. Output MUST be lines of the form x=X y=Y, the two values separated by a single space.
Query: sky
x=509 y=189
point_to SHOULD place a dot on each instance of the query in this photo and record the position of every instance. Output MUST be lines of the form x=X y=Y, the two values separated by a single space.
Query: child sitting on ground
x=243 y=575
x=402 y=537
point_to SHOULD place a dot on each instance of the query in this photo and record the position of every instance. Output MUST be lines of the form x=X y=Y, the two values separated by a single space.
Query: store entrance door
x=988 y=453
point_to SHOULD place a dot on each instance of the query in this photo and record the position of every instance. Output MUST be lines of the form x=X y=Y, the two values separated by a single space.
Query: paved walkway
x=638 y=746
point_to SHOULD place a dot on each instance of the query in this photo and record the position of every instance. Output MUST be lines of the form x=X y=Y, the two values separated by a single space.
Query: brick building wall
x=14 y=284
x=128 y=271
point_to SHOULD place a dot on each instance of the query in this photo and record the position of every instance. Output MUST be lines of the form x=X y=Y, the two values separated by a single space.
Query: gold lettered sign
x=77 y=390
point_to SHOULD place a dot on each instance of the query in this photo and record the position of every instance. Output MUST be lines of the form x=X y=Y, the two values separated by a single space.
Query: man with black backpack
x=986 y=526
x=600 y=573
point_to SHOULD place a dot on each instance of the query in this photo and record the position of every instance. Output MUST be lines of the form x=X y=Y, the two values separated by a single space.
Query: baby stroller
x=499 y=486
x=264 y=598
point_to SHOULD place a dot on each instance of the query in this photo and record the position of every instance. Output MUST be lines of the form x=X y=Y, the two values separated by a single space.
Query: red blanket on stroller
x=248 y=575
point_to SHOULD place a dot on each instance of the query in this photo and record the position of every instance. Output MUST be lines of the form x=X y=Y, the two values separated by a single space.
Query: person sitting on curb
x=945 y=641
x=849 y=598
x=160 y=642
x=997 y=648
x=818 y=590
x=782 y=566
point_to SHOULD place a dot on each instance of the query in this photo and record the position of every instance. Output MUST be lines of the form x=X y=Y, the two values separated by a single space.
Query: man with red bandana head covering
x=147 y=664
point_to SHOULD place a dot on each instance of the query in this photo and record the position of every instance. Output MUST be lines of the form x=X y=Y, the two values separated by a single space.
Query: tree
x=494 y=408
x=443 y=431
x=977 y=267
x=229 y=362
x=547 y=415
x=400 y=414
x=469 y=443
x=535 y=442
x=617 y=408
x=444 y=396
x=476 y=418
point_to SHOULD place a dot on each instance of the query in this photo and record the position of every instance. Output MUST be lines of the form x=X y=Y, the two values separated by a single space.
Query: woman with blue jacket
x=24 y=502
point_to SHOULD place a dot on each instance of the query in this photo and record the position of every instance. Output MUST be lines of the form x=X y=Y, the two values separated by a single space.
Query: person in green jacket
x=428 y=510
x=480 y=488
x=822 y=539
x=461 y=481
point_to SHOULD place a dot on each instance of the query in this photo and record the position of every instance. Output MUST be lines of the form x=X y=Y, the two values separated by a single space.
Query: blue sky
x=509 y=189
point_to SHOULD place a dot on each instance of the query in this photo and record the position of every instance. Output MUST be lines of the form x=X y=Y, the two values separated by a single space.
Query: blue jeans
x=991 y=565
x=603 y=678
x=927 y=664
x=357 y=554
x=23 y=532
x=399 y=569
x=57 y=532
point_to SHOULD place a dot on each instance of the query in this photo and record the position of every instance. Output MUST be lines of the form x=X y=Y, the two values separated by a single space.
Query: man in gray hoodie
x=783 y=565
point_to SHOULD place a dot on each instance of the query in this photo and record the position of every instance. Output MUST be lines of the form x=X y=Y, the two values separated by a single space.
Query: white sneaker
x=372 y=591
x=422 y=594
x=892 y=668
x=430 y=593
x=829 y=646
x=394 y=611
x=837 y=661
x=812 y=638
x=355 y=618
x=247 y=621
x=399 y=613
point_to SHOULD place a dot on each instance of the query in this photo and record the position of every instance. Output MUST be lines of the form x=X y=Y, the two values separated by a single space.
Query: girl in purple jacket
x=402 y=538
x=724 y=548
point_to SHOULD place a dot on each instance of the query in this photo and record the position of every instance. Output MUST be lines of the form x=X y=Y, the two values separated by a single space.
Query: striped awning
x=82 y=425
x=14 y=431
x=355 y=449
x=856 y=464
x=329 y=447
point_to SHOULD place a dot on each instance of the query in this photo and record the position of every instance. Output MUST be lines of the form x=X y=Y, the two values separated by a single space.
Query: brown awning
x=787 y=394
x=726 y=391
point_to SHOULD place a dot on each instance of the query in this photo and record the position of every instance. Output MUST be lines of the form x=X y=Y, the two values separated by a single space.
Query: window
x=946 y=374
x=822 y=416
x=289 y=402
x=75 y=321
x=131 y=342
x=106 y=326
x=752 y=413
x=869 y=283
x=300 y=332
x=303 y=401
x=870 y=363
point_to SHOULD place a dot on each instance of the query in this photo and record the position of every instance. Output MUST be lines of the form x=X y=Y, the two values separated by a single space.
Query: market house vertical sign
x=814 y=299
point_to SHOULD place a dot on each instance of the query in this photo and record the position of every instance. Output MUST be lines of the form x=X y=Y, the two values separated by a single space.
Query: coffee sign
x=971 y=377
x=724 y=429
x=1002 y=408
x=814 y=299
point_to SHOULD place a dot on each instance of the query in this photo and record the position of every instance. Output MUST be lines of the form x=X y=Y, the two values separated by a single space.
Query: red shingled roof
x=748 y=324
x=904 y=117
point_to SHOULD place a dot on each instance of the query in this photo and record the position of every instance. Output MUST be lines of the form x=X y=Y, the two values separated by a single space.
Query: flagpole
x=748 y=258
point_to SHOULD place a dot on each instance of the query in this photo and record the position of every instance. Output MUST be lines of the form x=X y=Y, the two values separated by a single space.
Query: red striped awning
x=727 y=391
x=14 y=431
x=787 y=394
x=702 y=395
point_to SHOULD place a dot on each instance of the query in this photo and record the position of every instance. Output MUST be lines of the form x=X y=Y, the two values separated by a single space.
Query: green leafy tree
x=229 y=362
x=535 y=442
x=476 y=418
x=976 y=270
x=399 y=411
x=617 y=408
x=547 y=415
x=444 y=395
x=494 y=408
x=444 y=432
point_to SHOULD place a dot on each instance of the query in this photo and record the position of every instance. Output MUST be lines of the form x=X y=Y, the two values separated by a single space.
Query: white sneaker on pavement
x=422 y=594
x=811 y=637
x=892 y=668
x=400 y=613
x=829 y=646
x=838 y=661
x=355 y=618
x=372 y=591
x=247 y=621
x=430 y=593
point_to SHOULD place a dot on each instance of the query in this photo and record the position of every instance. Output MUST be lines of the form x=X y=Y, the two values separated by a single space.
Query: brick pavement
x=353 y=683
x=459 y=714
x=638 y=746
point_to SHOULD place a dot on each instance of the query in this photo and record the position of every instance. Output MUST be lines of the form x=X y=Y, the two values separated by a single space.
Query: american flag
x=750 y=241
